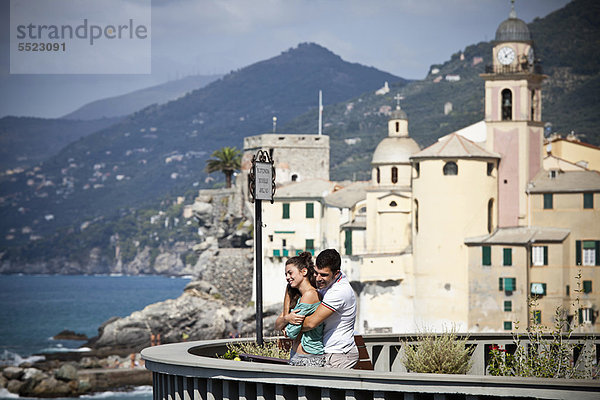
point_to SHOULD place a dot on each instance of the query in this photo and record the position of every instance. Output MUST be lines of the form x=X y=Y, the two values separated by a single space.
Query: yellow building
x=463 y=232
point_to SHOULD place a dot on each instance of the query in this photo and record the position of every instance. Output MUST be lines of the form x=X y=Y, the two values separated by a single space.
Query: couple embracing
x=319 y=311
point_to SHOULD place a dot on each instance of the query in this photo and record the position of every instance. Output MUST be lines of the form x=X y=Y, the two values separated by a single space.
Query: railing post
x=478 y=358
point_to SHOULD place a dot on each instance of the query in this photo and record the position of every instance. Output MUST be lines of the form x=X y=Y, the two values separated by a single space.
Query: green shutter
x=597 y=252
x=276 y=253
x=588 y=200
x=310 y=244
x=348 y=242
x=286 y=252
x=580 y=314
x=510 y=284
x=486 y=255
x=537 y=316
x=507 y=256
x=507 y=305
x=310 y=210
x=507 y=325
x=286 y=211
x=545 y=255
x=500 y=282
x=578 y=252
x=544 y=288
x=587 y=286
x=548 y=201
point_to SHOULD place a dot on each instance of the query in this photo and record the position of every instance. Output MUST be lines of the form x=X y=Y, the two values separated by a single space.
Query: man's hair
x=329 y=258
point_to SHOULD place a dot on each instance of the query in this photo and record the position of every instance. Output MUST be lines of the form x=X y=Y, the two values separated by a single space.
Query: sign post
x=261 y=186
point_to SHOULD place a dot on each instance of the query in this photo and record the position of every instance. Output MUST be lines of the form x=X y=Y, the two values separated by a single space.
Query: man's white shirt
x=338 y=335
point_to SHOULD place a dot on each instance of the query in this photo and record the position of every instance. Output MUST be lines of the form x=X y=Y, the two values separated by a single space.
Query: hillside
x=567 y=42
x=27 y=141
x=119 y=106
x=162 y=149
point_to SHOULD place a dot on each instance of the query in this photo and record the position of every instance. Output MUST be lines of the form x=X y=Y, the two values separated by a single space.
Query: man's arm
x=313 y=320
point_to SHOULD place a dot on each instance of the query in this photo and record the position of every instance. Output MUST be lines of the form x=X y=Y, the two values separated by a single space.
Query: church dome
x=395 y=150
x=398 y=113
x=513 y=30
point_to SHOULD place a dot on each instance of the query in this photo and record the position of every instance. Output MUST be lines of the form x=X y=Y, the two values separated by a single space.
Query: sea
x=34 y=308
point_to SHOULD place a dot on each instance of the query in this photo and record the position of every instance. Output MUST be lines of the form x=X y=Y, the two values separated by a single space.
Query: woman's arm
x=281 y=321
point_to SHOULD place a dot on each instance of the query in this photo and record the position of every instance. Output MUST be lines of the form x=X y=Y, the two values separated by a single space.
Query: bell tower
x=513 y=116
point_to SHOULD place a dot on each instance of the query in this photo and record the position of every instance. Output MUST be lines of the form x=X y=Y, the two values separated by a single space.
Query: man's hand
x=294 y=318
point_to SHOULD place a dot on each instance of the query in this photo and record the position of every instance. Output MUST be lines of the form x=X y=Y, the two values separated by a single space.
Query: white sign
x=264 y=181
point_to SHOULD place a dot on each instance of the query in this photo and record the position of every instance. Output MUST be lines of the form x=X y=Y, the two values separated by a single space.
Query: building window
x=507 y=284
x=587 y=251
x=533 y=105
x=539 y=255
x=588 y=200
x=507 y=325
x=537 y=316
x=568 y=289
x=362 y=210
x=294 y=178
x=507 y=257
x=538 y=289
x=310 y=210
x=394 y=175
x=283 y=242
x=348 y=242
x=378 y=173
x=310 y=246
x=270 y=238
x=393 y=204
x=548 y=203
x=586 y=316
x=417 y=169
x=397 y=126
x=486 y=255
x=490 y=216
x=587 y=286
x=286 y=211
x=276 y=253
x=508 y=305
x=506 y=105
x=450 y=168
x=490 y=168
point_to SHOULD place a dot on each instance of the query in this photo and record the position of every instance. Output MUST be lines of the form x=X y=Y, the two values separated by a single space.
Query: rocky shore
x=58 y=378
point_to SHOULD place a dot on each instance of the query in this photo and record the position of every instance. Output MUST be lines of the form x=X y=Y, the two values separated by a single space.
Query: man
x=337 y=310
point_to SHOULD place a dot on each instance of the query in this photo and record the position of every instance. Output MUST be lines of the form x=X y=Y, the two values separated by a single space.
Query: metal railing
x=514 y=69
x=189 y=370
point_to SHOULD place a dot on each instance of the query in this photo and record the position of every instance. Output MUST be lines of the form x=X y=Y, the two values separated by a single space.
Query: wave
x=9 y=358
x=61 y=349
x=138 y=391
x=5 y=394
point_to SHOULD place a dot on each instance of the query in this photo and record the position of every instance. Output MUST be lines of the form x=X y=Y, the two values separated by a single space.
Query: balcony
x=514 y=69
x=189 y=371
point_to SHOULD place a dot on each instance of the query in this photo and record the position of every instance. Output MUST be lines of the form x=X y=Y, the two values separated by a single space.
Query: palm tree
x=226 y=160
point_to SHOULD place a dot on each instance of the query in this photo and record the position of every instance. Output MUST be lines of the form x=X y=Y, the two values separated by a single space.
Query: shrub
x=268 y=349
x=436 y=353
x=548 y=354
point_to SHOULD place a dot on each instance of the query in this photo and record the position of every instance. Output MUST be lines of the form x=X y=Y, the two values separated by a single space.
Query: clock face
x=505 y=55
x=530 y=57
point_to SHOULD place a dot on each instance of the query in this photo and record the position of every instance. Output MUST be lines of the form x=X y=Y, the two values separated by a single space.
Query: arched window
x=393 y=203
x=294 y=178
x=394 y=175
x=506 y=105
x=397 y=126
x=490 y=216
x=378 y=173
x=416 y=215
x=450 y=168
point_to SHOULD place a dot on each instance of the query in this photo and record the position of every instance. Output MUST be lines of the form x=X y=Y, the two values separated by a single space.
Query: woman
x=302 y=295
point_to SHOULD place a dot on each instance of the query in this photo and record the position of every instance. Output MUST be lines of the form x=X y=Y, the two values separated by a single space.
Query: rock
x=33 y=375
x=202 y=210
x=201 y=286
x=67 y=372
x=90 y=362
x=13 y=373
x=69 y=335
x=15 y=386
x=84 y=386
x=3 y=381
x=50 y=387
x=168 y=263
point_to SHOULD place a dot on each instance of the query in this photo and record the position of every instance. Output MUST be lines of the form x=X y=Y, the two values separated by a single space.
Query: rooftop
x=455 y=146
x=565 y=182
x=521 y=235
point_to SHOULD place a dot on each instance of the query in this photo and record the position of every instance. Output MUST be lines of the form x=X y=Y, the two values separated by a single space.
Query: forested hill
x=162 y=149
x=567 y=42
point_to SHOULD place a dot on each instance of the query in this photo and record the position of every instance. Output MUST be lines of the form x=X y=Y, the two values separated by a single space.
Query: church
x=490 y=225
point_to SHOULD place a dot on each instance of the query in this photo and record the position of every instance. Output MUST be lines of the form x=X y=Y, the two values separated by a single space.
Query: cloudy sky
x=403 y=37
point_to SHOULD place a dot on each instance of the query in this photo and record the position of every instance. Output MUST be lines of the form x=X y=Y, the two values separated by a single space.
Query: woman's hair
x=301 y=261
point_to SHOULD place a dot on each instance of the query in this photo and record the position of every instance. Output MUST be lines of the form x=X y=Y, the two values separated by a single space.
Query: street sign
x=263 y=172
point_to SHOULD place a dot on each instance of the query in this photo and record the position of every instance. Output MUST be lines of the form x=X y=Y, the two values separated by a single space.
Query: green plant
x=543 y=353
x=268 y=349
x=438 y=353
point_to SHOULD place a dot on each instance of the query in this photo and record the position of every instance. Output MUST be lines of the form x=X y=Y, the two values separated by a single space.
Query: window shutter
x=507 y=256
x=348 y=242
x=511 y=284
x=545 y=255
x=310 y=210
x=588 y=200
x=500 y=282
x=286 y=211
x=544 y=288
x=486 y=255
x=507 y=305
x=587 y=286
x=507 y=325
x=597 y=252
x=578 y=252
x=580 y=314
